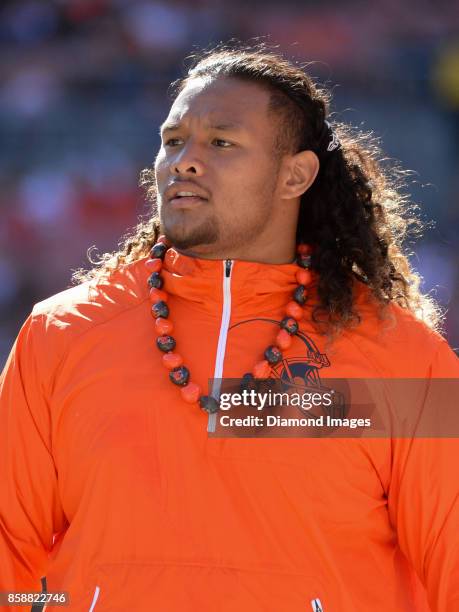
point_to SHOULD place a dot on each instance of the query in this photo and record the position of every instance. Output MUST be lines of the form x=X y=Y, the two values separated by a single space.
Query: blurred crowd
x=84 y=88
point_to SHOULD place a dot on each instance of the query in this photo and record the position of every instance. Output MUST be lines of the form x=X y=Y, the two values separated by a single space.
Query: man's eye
x=223 y=144
x=172 y=142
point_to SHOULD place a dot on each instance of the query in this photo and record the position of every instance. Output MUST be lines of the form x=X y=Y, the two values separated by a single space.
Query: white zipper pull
x=221 y=347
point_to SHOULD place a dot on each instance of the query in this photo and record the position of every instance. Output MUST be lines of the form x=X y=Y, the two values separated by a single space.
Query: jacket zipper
x=94 y=599
x=221 y=347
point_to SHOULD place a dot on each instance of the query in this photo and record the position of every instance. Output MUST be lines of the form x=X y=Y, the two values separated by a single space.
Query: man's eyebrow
x=173 y=127
x=226 y=126
x=169 y=127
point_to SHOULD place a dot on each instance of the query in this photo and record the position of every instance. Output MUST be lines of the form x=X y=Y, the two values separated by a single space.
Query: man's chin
x=191 y=240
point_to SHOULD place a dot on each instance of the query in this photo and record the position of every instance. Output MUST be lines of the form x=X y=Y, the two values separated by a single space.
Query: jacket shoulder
x=69 y=314
x=400 y=343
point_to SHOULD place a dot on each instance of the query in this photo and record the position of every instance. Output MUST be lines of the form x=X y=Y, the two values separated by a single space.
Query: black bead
x=160 y=309
x=155 y=280
x=248 y=382
x=180 y=376
x=158 y=251
x=304 y=261
x=165 y=343
x=290 y=325
x=300 y=295
x=209 y=404
x=273 y=355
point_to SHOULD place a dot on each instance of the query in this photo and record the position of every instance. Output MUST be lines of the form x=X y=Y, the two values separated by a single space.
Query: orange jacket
x=111 y=487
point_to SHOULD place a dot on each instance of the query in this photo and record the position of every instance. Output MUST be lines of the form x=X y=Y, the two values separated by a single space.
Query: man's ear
x=300 y=172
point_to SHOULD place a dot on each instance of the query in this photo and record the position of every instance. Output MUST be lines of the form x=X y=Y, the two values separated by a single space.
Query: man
x=111 y=486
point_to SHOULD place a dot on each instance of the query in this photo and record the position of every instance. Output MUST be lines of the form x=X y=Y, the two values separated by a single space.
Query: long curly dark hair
x=355 y=213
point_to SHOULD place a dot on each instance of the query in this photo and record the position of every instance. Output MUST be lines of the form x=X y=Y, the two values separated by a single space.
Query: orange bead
x=156 y=295
x=191 y=392
x=262 y=369
x=154 y=265
x=303 y=249
x=283 y=339
x=172 y=360
x=163 y=326
x=303 y=276
x=294 y=310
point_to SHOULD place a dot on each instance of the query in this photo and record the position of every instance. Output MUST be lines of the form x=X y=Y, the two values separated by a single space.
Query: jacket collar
x=256 y=288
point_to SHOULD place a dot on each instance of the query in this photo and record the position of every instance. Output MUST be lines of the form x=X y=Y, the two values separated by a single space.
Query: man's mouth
x=186 y=198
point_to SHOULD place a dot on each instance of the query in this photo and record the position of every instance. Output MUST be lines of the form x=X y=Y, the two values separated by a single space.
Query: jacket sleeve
x=30 y=511
x=424 y=496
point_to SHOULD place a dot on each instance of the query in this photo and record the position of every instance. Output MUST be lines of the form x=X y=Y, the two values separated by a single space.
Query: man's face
x=217 y=142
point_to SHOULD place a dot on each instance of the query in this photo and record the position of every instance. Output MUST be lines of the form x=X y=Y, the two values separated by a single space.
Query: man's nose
x=187 y=162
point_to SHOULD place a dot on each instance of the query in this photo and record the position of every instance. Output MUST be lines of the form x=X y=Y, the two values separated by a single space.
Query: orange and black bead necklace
x=179 y=374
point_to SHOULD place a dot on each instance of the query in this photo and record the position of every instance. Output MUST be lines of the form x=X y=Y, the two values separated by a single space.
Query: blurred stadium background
x=84 y=89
